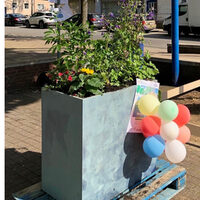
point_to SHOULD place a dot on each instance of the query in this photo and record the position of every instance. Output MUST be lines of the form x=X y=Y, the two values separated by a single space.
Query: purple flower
x=123 y=1
x=117 y=26
x=89 y=32
x=133 y=5
x=145 y=27
x=84 y=53
x=111 y=14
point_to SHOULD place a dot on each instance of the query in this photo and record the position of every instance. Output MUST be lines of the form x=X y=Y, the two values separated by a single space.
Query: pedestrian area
x=23 y=147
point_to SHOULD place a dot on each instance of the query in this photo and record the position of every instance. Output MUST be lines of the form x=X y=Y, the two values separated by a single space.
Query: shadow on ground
x=18 y=37
x=193 y=38
x=22 y=169
x=26 y=56
x=13 y=99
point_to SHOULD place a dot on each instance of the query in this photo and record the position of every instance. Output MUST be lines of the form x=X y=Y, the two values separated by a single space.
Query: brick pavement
x=23 y=147
x=23 y=141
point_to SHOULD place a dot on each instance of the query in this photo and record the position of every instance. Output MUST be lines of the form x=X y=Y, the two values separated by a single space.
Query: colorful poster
x=143 y=88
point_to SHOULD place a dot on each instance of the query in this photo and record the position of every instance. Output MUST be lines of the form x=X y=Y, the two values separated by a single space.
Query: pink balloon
x=184 y=134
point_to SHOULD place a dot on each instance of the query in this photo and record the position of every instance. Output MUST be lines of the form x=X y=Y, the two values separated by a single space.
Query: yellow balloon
x=148 y=104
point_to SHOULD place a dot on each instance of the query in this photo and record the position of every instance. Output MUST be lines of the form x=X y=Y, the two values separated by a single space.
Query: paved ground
x=23 y=144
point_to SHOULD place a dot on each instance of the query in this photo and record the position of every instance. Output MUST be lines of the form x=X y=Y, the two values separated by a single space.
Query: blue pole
x=175 y=40
x=142 y=48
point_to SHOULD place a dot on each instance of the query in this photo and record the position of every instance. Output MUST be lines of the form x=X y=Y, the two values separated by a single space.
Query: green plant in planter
x=116 y=60
x=125 y=54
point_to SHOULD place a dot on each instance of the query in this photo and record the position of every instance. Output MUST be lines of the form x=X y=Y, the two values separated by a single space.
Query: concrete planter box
x=86 y=152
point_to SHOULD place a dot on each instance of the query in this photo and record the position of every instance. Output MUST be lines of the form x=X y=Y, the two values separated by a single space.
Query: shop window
x=26 y=6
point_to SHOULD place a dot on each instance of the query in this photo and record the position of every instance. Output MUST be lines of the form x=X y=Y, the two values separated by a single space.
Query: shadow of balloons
x=136 y=161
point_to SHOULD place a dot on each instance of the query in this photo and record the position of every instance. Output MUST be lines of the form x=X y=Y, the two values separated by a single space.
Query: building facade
x=27 y=7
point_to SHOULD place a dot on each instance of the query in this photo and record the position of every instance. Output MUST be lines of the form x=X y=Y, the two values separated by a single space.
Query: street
x=21 y=43
x=156 y=39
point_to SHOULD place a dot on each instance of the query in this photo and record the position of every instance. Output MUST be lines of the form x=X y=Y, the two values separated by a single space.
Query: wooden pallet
x=164 y=183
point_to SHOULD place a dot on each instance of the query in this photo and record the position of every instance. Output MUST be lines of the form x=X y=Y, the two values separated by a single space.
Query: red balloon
x=183 y=115
x=150 y=125
x=184 y=134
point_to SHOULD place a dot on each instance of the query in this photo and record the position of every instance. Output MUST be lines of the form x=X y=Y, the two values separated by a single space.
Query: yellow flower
x=91 y=71
x=83 y=70
x=87 y=70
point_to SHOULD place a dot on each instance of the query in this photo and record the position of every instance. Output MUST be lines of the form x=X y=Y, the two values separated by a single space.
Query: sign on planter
x=143 y=88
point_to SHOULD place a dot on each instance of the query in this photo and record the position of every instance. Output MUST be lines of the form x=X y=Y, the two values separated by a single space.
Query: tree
x=84 y=11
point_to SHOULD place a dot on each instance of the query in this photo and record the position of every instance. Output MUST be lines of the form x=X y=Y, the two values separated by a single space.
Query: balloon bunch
x=164 y=128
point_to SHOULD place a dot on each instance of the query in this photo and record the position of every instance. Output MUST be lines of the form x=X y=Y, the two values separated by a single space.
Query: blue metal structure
x=175 y=41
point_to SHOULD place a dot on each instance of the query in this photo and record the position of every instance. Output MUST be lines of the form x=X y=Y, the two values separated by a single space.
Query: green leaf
x=82 y=77
x=94 y=82
x=75 y=86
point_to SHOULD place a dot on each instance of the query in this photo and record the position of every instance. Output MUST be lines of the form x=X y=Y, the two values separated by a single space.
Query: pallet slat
x=157 y=184
x=160 y=166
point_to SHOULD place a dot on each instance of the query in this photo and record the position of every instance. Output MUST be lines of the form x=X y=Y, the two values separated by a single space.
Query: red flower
x=60 y=74
x=69 y=78
x=67 y=72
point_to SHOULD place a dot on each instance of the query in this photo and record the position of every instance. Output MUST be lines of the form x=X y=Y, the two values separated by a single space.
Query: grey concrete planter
x=86 y=152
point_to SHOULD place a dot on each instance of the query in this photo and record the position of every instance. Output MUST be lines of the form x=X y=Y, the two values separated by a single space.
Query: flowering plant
x=88 y=67
x=85 y=82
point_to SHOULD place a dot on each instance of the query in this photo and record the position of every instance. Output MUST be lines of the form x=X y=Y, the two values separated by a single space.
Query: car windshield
x=48 y=14
x=96 y=16
x=18 y=15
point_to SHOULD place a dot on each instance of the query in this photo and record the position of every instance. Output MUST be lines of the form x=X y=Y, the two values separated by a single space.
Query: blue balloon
x=154 y=146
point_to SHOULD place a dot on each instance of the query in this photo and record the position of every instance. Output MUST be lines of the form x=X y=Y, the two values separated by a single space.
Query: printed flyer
x=143 y=88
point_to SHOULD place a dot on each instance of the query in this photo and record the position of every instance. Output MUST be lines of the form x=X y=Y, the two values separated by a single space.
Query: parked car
x=149 y=23
x=95 y=20
x=13 y=19
x=188 y=18
x=41 y=19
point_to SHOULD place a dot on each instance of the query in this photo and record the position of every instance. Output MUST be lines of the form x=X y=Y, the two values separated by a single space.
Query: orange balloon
x=184 y=134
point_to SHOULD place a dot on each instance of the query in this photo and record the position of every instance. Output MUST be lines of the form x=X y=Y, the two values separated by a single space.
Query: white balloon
x=169 y=130
x=175 y=151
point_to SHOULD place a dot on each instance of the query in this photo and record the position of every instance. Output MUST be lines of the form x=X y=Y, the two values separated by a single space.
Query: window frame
x=25 y=4
x=38 y=6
